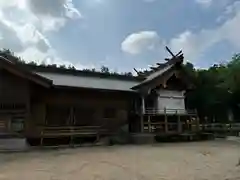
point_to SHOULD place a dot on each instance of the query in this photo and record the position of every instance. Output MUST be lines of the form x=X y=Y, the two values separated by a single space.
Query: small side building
x=162 y=109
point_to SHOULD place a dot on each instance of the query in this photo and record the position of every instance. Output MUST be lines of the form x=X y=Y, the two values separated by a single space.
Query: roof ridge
x=75 y=72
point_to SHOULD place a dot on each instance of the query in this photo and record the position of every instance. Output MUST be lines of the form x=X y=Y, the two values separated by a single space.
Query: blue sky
x=120 y=34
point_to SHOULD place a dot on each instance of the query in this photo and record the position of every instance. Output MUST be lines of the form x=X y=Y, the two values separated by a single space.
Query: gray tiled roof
x=155 y=75
x=89 y=82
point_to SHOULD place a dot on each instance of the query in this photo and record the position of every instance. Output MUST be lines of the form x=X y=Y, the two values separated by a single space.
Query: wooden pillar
x=165 y=120
x=142 y=114
x=45 y=123
x=149 y=124
x=45 y=114
x=190 y=124
x=71 y=123
x=28 y=116
x=142 y=125
x=198 y=123
x=179 y=124
x=143 y=105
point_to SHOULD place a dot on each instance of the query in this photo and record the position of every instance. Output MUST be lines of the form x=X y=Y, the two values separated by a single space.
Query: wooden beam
x=154 y=68
x=136 y=71
x=180 y=52
x=170 y=52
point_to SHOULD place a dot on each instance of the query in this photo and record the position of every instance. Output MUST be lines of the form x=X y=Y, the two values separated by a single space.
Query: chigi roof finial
x=173 y=55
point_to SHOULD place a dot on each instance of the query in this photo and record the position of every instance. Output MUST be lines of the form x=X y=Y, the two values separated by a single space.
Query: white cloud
x=24 y=24
x=205 y=3
x=230 y=10
x=195 y=44
x=216 y=4
x=27 y=34
x=47 y=15
x=9 y=3
x=9 y=39
x=138 y=42
x=53 y=14
x=50 y=57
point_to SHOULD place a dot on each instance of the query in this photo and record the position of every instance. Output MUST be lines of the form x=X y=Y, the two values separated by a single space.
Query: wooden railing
x=220 y=127
x=70 y=131
x=152 y=111
x=171 y=127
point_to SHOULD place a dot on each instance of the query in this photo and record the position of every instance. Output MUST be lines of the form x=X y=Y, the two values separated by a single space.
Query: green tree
x=105 y=69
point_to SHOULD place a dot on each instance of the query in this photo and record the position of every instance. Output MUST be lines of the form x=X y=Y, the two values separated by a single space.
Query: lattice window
x=17 y=124
x=3 y=125
x=12 y=106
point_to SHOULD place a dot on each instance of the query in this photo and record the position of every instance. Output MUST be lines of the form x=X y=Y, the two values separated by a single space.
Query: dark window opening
x=84 y=116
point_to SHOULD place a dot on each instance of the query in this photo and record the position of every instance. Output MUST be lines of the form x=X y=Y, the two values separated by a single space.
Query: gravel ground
x=212 y=160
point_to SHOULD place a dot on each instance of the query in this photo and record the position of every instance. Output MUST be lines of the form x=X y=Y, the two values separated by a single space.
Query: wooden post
x=28 y=117
x=143 y=105
x=41 y=141
x=149 y=124
x=142 y=114
x=72 y=123
x=190 y=124
x=142 y=125
x=165 y=120
x=179 y=124
x=45 y=123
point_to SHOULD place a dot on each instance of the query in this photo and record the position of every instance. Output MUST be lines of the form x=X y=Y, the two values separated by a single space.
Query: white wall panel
x=171 y=99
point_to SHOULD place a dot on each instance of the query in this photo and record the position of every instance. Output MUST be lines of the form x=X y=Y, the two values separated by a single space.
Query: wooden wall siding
x=13 y=89
x=14 y=97
x=74 y=114
x=84 y=98
x=37 y=118
x=1 y=81
x=58 y=115
x=76 y=107
x=84 y=116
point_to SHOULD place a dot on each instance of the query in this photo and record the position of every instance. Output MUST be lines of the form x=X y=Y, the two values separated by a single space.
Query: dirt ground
x=214 y=160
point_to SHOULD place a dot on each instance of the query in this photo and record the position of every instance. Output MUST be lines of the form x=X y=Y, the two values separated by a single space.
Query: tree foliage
x=217 y=90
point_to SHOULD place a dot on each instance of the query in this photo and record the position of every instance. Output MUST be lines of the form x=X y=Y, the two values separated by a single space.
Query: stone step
x=13 y=144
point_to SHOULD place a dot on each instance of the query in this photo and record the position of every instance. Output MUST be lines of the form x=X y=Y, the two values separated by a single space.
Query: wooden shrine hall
x=42 y=103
